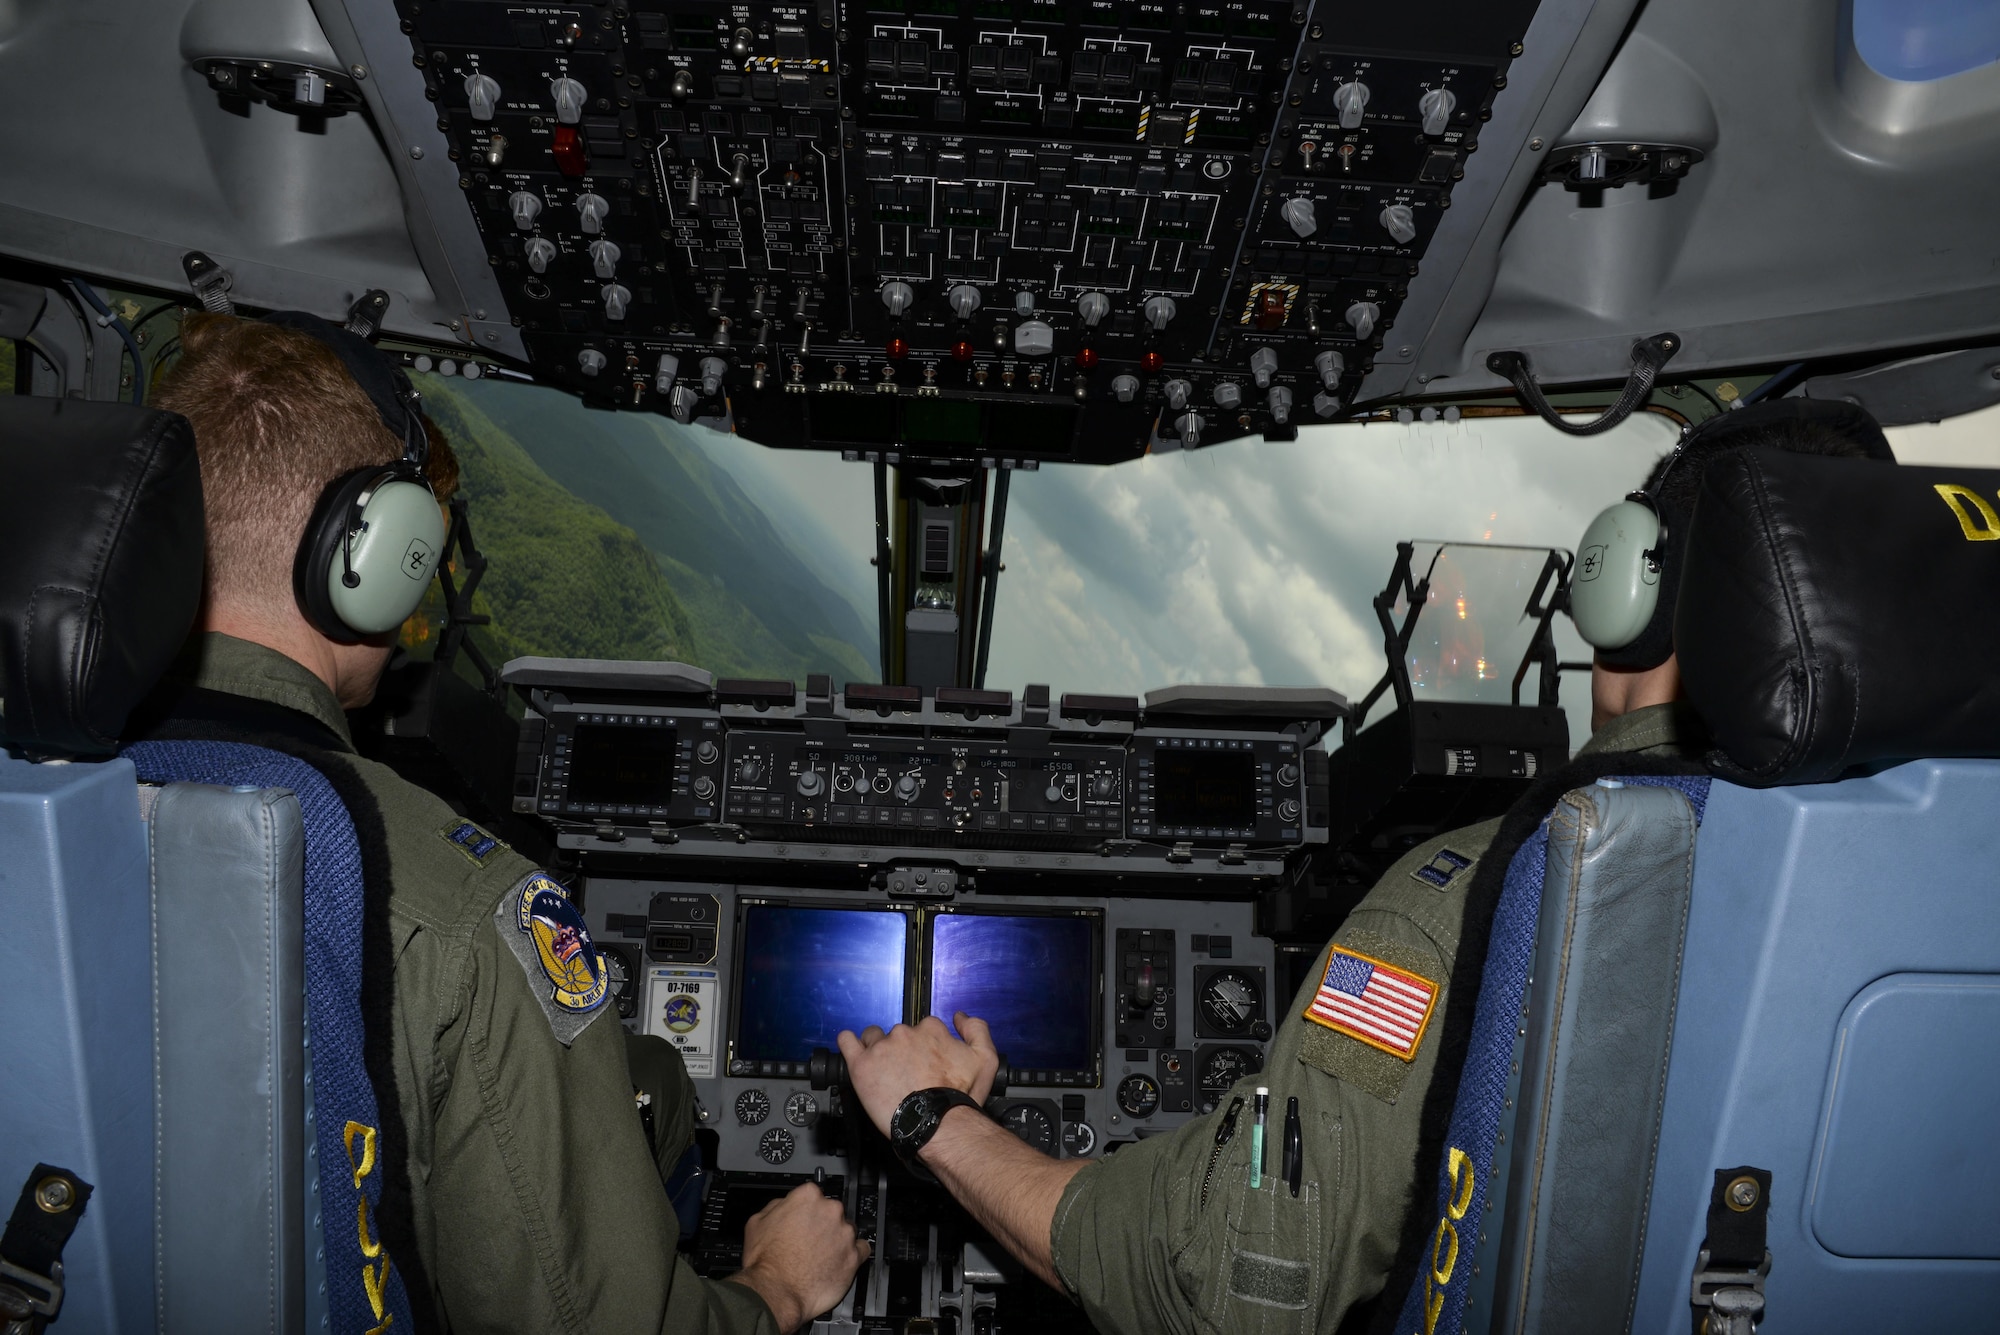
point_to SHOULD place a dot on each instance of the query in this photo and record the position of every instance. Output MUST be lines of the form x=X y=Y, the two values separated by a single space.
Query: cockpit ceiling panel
x=1839 y=204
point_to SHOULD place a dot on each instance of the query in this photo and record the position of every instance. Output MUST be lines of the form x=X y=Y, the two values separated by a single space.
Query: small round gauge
x=618 y=979
x=1078 y=1139
x=752 y=1106
x=1219 y=1068
x=1138 y=1096
x=801 y=1109
x=776 y=1145
x=1033 y=1125
x=1231 y=1001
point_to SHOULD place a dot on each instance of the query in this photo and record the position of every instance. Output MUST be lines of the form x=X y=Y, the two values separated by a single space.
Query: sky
x=1255 y=562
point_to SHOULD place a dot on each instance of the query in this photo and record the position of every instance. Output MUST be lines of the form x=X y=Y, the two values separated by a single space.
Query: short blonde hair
x=276 y=417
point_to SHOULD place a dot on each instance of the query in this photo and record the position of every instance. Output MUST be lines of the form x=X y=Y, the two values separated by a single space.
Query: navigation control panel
x=995 y=783
x=963 y=229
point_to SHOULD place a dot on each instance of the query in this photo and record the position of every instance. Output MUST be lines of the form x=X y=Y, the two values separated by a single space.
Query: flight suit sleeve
x=1167 y=1235
x=547 y=1204
x=659 y=1076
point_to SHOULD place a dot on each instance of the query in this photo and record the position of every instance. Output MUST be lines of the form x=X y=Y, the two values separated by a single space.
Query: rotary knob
x=712 y=371
x=1279 y=401
x=1093 y=306
x=663 y=376
x=1189 y=426
x=1436 y=107
x=617 y=300
x=704 y=788
x=1228 y=394
x=749 y=769
x=1158 y=311
x=1263 y=363
x=1400 y=223
x=526 y=206
x=1298 y=212
x=591 y=209
x=590 y=361
x=1350 y=100
x=604 y=256
x=1331 y=366
x=568 y=96
x=1287 y=775
x=1177 y=392
x=1125 y=388
x=907 y=787
x=538 y=252
x=810 y=784
x=1288 y=810
x=706 y=753
x=1034 y=338
x=482 y=96
x=897 y=296
x=1361 y=318
x=681 y=403
x=963 y=300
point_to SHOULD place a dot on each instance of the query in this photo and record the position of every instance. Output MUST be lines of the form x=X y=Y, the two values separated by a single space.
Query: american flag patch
x=1379 y=1004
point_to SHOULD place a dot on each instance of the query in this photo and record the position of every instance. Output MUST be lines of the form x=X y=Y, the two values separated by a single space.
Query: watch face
x=913 y=1116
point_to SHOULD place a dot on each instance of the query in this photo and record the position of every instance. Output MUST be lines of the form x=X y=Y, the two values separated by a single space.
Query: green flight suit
x=1166 y=1235
x=539 y=1205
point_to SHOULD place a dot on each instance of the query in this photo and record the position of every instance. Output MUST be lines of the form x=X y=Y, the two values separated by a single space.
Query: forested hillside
x=607 y=541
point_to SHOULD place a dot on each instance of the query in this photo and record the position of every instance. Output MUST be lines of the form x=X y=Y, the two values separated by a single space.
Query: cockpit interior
x=1043 y=512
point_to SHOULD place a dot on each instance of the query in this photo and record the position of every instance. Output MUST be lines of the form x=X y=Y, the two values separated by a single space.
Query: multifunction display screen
x=809 y=973
x=1032 y=978
x=1205 y=789
x=622 y=766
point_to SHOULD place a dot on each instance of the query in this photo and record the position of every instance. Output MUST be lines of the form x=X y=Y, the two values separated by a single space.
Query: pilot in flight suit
x=1167 y=1234
x=520 y=1192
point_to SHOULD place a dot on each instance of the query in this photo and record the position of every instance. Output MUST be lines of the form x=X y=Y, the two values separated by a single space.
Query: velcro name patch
x=1443 y=869
x=547 y=935
x=1373 y=1002
x=476 y=844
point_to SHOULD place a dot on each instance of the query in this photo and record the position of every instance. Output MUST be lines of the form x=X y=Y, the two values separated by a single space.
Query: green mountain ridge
x=568 y=579
x=683 y=505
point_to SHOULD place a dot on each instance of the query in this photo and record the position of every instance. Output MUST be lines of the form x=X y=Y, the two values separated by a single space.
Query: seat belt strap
x=31 y=1271
x=1727 y=1292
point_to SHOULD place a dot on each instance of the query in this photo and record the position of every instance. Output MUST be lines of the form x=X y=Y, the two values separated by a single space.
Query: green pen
x=1257 y=1137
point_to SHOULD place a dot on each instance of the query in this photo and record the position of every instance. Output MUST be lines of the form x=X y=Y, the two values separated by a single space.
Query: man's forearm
x=1010 y=1189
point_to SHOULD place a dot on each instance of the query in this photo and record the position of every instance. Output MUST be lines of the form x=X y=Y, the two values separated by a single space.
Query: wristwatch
x=917 y=1117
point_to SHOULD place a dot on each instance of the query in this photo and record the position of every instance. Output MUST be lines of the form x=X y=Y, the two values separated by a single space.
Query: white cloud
x=1257 y=561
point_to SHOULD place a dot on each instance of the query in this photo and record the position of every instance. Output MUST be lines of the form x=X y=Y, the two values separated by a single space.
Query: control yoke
x=828 y=1068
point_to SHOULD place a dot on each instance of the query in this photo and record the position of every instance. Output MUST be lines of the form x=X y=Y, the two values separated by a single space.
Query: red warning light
x=572 y=159
x=1151 y=362
x=1086 y=358
x=898 y=349
x=961 y=351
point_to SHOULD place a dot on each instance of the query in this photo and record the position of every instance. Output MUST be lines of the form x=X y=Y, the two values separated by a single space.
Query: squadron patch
x=476 y=844
x=1443 y=869
x=547 y=935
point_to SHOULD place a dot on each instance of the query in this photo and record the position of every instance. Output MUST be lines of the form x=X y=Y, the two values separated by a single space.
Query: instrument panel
x=746 y=981
x=1050 y=787
x=961 y=229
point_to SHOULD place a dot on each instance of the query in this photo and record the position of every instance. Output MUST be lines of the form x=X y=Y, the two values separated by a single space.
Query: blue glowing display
x=809 y=973
x=1032 y=979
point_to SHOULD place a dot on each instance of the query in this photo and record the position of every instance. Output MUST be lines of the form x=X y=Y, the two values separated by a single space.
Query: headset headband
x=381 y=379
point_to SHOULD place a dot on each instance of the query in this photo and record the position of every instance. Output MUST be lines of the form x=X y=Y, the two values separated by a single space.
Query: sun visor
x=1837 y=613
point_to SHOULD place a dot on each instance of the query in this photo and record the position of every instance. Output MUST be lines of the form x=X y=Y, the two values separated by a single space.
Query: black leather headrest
x=101 y=505
x=1837 y=613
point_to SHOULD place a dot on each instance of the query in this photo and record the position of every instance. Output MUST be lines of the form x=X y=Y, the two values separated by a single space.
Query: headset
x=1615 y=586
x=1625 y=561
x=376 y=534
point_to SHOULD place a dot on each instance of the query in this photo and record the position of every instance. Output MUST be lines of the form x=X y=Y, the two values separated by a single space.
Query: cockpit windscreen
x=1032 y=978
x=809 y=973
